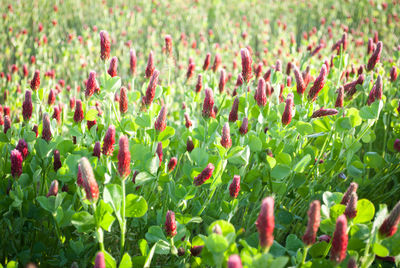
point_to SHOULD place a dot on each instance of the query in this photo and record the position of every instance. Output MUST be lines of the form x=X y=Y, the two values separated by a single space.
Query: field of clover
x=194 y=133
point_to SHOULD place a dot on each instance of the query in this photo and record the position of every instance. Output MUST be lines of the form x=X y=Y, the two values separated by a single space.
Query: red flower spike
x=208 y=104
x=151 y=88
x=217 y=62
x=260 y=95
x=78 y=115
x=159 y=152
x=244 y=127
x=393 y=74
x=53 y=190
x=104 y=45
x=351 y=208
x=390 y=224
x=188 y=123
x=160 y=123
x=378 y=87
x=57 y=161
x=301 y=87
x=123 y=100
x=16 y=163
x=339 y=240
x=170 y=224
x=168 y=44
x=246 y=64
x=172 y=164
x=89 y=182
x=370 y=47
x=350 y=88
x=109 y=140
x=27 y=106
x=124 y=157
x=234 y=261
x=112 y=70
x=314 y=219
x=199 y=84
x=207 y=61
x=234 y=187
x=204 y=175
x=226 y=137
x=22 y=147
x=347 y=195
x=233 y=114
x=375 y=57
x=150 y=66
x=99 y=262
x=318 y=84
x=324 y=112
x=57 y=114
x=46 y=132
x=287 y=113
x=97 y=149
x=266 y=223
x=189 y=145
x=35 y=82
x=340 y=97
x=91 y=84
x=190 y=71
x=222 y=81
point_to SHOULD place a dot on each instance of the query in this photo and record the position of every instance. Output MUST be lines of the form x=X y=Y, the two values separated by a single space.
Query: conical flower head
x=318 y=84
x=168 y=44
x=57 y=160
x=22 y=147
x=208 y=104
x=234 y=187
x=150 y=65
x=378 y=87
x=160 y=123
x=199 y=84
x=300 y=85
x=123 y=100
x=46 y=131
x=91 y=84
x=151 y=88
x=204 y=175
x=324 y=112
x=287 y=113
x=266 y=223
x=347 y=195
x=35 y=82
x=78 y=115
x=100 y=261
x=314 y=219
x=244 y=127
x=217 y=62
x=124 y=157
x=53 y=190
x=390 y=224
x=109 y=140
x=351 y=208
x=170 y=224
x=260 y=96
x=226 y=137
x=27 y=106
x=340 y=97
x=234 y=261
x=233 y=114
x=375 y=57
x=16 y=163
x=339 y=240
x=112 y=70
x=97 y=149
x=207 y=61
x=89 y=181
x=246 y=64
x=172 y=164
x=104 y=45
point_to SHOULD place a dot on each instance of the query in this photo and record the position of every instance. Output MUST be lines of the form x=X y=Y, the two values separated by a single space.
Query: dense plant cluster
x=200 y=133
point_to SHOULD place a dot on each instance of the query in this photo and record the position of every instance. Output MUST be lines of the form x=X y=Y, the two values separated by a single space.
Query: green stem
x=123 y=220
x=303 y=260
